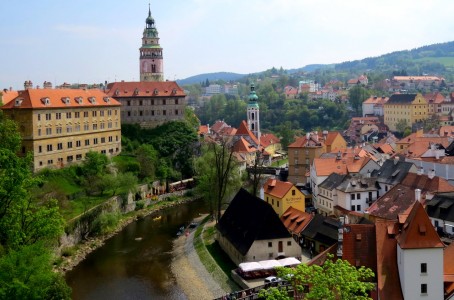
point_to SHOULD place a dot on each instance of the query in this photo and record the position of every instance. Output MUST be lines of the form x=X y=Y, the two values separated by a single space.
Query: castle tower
x=253 y=113
x=151 y=61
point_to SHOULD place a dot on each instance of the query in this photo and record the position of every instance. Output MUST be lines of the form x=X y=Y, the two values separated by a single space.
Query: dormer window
x=174 y=91
x=92 y=100
x=79 y=100
x=117 y=92
x=45 y=100
x=18 y=102
x=136 y=92
x=156 y=91
x=106 y=99
x=65 y=100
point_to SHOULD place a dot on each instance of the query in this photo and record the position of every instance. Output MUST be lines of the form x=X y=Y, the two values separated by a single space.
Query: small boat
x=138 y=238
x=157 y=218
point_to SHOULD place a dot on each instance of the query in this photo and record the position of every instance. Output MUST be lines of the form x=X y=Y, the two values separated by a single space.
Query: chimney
x=437 y=154
x=368 y=174
x=396 y=160
x=47 y=85
x=28 y=85
x=431 y=174
x=418 y=195
x=420 y=171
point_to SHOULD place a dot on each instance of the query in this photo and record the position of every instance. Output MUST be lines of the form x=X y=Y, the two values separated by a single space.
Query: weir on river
x=135 y=263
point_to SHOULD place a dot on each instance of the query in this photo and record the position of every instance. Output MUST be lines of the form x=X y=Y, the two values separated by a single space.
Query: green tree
x=401 y=125
x=357 y=95
x=95 y=163
x=27 y=274
x=286 y=133
x=218 y=174
x=147 y=158
x=334 y=280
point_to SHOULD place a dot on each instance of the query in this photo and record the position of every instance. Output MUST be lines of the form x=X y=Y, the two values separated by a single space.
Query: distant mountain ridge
x=431 y=59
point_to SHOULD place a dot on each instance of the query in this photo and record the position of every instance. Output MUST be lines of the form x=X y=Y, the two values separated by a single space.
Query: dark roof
x=322 y=229
x=248 y=219
x=332 y=181
x=392 y=171
x=441 y=206
x=354 y=183
x=396 y=201
x=401 y=98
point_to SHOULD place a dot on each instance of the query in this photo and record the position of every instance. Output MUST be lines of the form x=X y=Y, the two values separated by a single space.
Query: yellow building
x=281 y=195
x=412 y=108
x=302 y=152
x=61 y=125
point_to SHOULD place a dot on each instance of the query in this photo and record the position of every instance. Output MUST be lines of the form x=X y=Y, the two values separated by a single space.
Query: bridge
x=281 y=173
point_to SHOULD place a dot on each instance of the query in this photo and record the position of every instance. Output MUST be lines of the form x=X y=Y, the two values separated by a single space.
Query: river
x=135 y=263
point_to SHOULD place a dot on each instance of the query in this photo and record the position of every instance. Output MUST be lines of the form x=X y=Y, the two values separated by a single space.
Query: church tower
x=151 y=61
x=253 y=113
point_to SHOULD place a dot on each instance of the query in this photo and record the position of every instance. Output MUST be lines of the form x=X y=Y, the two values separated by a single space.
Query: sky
x=92 y=41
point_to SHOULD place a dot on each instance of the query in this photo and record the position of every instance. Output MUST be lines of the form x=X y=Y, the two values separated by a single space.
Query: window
x=103 y=140
x=68 y=115
x=109 y=124
x=39 y=131
x=77 y=143
x=60 y=146
x=293 y=192
x=86 y=127
x=40 y=149
x=49 y=148
x=353 y=208
x=109 y=112
x=85 y=114
x=102 y=126
x=176 y=112
x=164 y=112
x=58 y=116
x=95 y=141
x=424 y=288
x=39 y=117
x=69 y=158
x=48 y=131
x=50 y=162
x=272 y=201
x=358 y=196
x=101 y=113
x=270 y=244
x=78 y=156
x=87 y=142
x=352 y=196
x=70 y=145
x=76 y=114
x=110 y=139
x=277 y=203
x=95 y=126
x=77 y=128
x=164 y=102
x=289 y=243
x=59 y=129
x=358 y=207
x=424 y=268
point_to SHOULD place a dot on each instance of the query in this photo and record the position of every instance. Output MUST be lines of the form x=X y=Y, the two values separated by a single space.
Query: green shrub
x=68 y=251
x=140 y=205
x=105 y=222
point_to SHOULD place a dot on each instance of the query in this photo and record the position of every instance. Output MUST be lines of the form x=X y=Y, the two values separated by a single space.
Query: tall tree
x=218 y=174
x=357 y=95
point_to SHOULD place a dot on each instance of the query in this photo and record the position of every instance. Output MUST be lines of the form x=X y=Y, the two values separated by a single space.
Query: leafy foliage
x=334 y=280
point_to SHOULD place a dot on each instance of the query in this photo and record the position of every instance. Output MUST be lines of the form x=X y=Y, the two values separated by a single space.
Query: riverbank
x=190 y=273
x=67 y=262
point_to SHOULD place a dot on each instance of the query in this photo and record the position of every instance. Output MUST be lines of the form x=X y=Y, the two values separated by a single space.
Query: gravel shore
x=190 y=273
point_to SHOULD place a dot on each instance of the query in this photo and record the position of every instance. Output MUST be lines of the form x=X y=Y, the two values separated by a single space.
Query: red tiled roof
x=268 y=139
x=7 y=96
x=326 y=166
x=386 y=148
x=228 y=131
x=203 y=129
x=244 y=131
x=434 y=98
x=243 y=146
x=446 y=131
x=218 y=125
x=60 y=98
x=277 y=188
x=418 y=231
x=425 y=184
x=395 y=202
x=295 y=220
x=359 y=247
x=388 y=280
x=448 y=269
x=145 y=89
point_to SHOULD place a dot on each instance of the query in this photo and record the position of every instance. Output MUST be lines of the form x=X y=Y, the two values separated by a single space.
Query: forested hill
x=431 y=59
x=225 y=76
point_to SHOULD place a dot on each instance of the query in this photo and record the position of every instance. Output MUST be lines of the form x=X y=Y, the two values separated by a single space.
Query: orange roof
x=277 y=188
x=448 y=268
x=203 y=129
x=243 y=146
x=417 y=78
x=418 y=231
x=386 y=148
x=7 y=96
x=376 y=100
x=60 y=98
x=218 y=125
x=421 y=145
x=227 y=131
x=446 y=131
x=425 y=184
x=145 y=89
x=326 y=166
x=388 y=280
x=295 y=220
x=434 y=98
x=268 y=139
x=358 y=246
x=244 y=130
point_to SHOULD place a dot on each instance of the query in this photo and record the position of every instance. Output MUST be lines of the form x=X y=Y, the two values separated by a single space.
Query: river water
x=135 y=263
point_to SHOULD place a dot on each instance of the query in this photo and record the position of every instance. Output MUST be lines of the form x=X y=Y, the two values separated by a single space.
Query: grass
x=216 y=262
x=81 y=205
x=280 y=162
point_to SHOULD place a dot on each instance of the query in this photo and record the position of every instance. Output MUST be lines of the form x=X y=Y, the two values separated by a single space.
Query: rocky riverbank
x=84 y=248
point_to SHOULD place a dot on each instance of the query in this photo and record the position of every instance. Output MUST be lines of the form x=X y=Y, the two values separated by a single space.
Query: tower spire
x=151 y=59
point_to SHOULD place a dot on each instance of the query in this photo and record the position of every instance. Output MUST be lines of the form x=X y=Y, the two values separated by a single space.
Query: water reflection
x=134 y=264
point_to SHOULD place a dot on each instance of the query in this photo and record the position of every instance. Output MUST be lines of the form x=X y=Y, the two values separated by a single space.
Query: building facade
x=61 y=126
x=149 y=104
x=282 y=195
x=411 y=108
x=151 y=58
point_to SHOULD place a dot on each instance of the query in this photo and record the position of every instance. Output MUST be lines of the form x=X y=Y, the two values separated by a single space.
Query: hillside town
x=377 y=192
